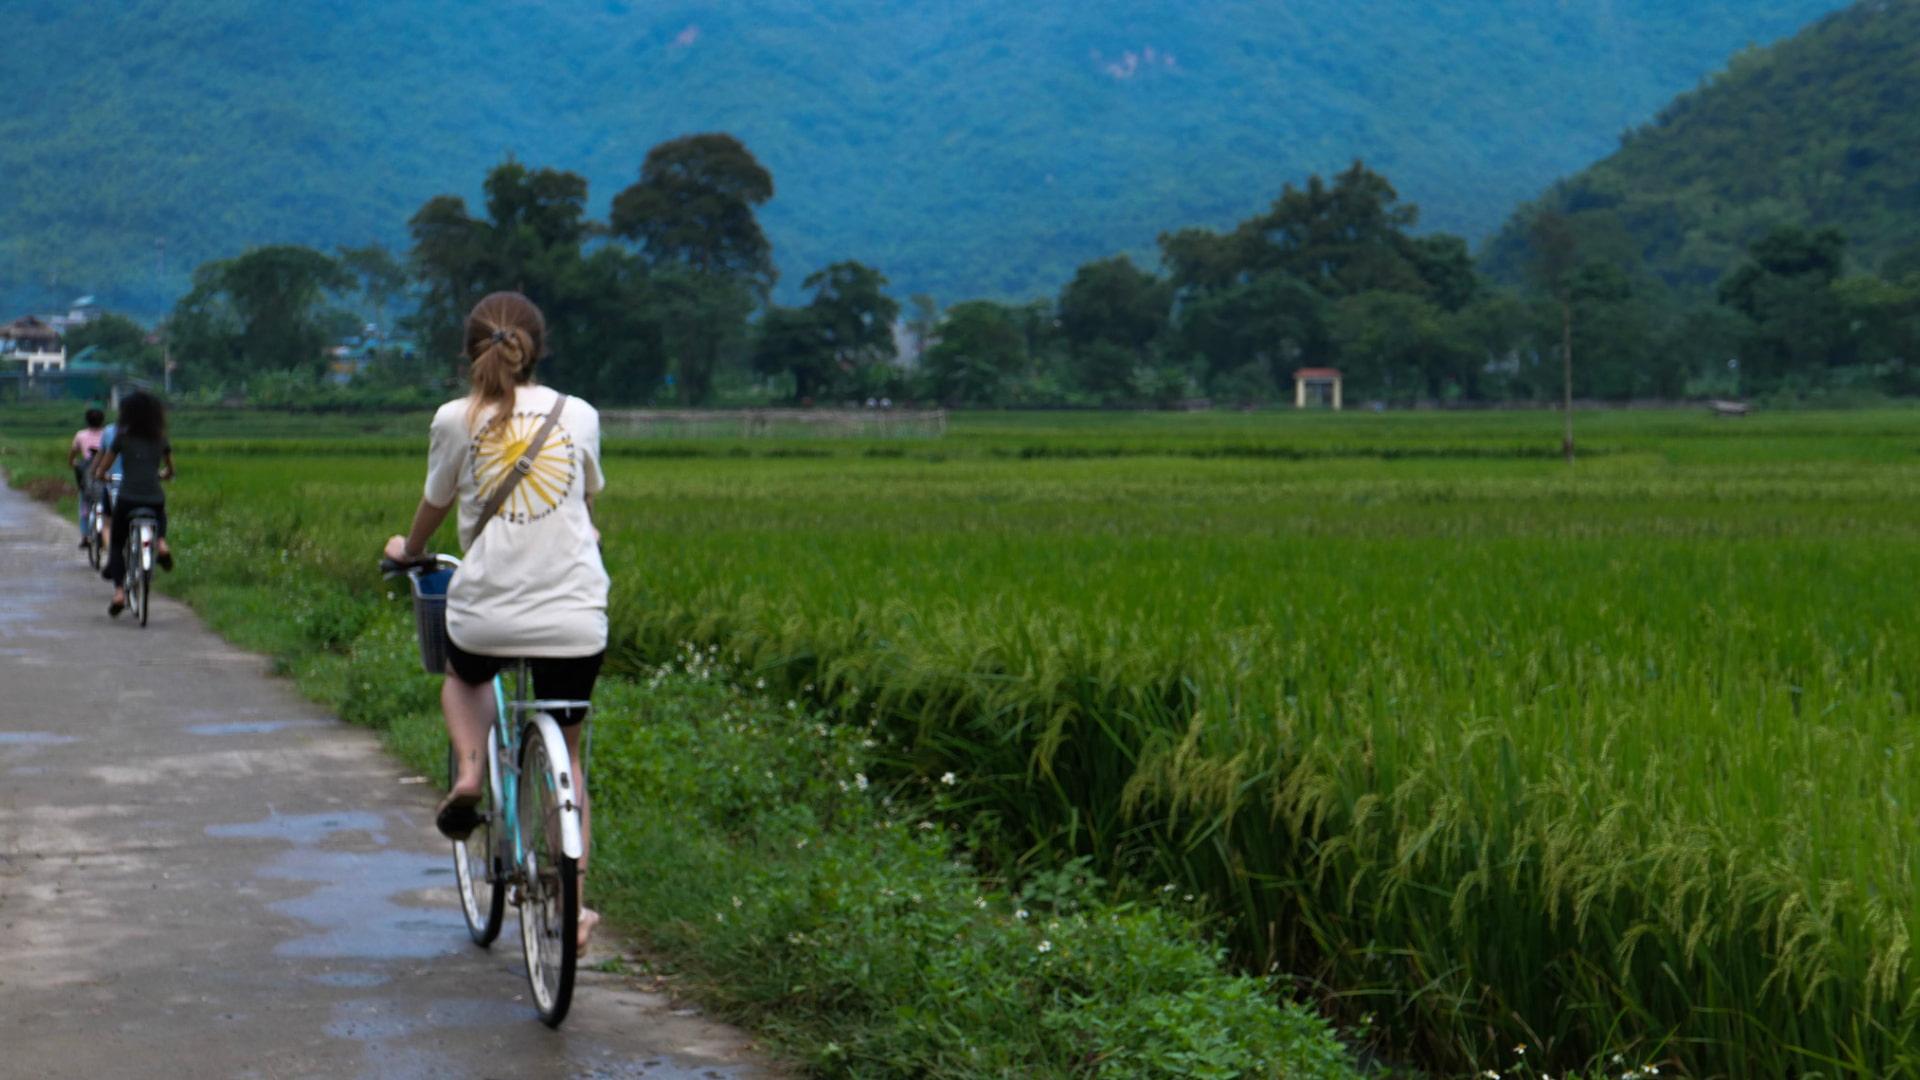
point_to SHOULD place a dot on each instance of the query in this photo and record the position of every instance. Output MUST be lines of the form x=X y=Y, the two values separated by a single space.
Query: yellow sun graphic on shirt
x=502 y=443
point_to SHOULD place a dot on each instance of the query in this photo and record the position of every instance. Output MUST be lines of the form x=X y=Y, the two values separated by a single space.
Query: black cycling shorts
x=554 y=678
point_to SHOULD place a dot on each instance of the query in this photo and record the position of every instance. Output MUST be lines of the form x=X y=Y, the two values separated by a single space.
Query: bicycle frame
x=503 y=756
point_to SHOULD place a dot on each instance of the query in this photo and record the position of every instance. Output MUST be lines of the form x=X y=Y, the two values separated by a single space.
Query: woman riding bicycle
x=531 y=584
x=86 y=443
x=141 y=449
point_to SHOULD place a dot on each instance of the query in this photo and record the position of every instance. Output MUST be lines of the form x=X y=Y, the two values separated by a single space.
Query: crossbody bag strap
x=521 y=467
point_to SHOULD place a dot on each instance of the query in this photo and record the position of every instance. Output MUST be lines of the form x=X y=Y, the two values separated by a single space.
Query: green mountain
x=1818 y=130
x=972 y=147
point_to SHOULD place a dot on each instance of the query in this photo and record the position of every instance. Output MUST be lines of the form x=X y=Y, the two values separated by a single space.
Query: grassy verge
x=744 y=837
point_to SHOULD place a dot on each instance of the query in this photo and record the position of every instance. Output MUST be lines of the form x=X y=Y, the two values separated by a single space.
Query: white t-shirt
x=532 y=583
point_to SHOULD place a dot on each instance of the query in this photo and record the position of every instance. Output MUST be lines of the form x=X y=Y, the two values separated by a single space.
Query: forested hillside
x=1820 y=130
x=968 y=148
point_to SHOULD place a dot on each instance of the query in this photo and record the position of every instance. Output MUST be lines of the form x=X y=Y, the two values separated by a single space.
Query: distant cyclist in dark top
x=86 y=443
x=141 y=448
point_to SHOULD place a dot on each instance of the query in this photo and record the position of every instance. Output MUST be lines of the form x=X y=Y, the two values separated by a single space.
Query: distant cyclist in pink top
x=86 y=443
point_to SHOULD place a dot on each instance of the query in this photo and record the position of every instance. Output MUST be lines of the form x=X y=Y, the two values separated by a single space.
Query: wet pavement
x=202 y=875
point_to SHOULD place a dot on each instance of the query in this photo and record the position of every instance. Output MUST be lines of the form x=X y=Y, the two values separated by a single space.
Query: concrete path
x=202 y=875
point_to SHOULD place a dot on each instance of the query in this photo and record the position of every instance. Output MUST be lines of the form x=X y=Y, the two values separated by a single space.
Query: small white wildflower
x=947 y=780
x=1045 y=946
x=719 y=917
x=979 y=901
x=793 y=704
x=802 y=843
x=389 y=594
x=1168 y=887
x=736 y=901
x=926 y=824
x=1521 y=1049
x=860 y=781
x=759 y=684
x=1021 y=914
x=843 y=785
x=1189 y=898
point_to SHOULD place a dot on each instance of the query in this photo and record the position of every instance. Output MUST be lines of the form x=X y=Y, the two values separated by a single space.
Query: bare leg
x=589 y=918
x=469 y=712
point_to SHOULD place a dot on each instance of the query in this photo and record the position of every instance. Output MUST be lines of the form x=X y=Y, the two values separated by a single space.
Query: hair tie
x=499 y=336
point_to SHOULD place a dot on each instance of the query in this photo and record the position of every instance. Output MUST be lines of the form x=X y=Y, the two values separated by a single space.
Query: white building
x=31 y=342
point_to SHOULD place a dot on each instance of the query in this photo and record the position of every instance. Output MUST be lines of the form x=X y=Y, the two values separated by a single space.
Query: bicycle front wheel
x=550 y=894
x=482 y=899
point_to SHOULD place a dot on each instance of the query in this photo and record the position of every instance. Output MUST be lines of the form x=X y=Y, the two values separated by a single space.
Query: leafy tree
x=692 y=215
x=1445 y=264
x=381 y=276
x=452 y=258
x=791 y=341
x=535 y=210
x=703 y=322
x=1611 y=331
x=607 y=313
x=1785 y=289
x=1399 y=346
x=1342 y=238
x=855 y=312
x=981 y=349
x=694 y=205
x=1111 y=314
x=121 y=341
x=1902 y=264
x=1254 y=333
x=920 y=324
x=1883 y=320
x=269 y=305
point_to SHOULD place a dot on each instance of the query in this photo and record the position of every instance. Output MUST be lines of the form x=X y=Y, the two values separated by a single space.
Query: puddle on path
x=353 y=905
x=358 y=980
x=388 y=1027
x=251 y=727
x=34 y=738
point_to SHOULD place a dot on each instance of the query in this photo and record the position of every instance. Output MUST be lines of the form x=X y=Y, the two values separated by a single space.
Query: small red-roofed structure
x=1322 y=384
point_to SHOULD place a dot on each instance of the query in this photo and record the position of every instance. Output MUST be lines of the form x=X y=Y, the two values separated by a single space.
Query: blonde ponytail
x=506 y=338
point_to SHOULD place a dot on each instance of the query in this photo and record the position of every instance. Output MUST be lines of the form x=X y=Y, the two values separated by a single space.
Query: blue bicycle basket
x=430 y=619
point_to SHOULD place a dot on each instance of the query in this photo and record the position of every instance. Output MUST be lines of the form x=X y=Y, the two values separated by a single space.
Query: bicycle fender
x=569 y=806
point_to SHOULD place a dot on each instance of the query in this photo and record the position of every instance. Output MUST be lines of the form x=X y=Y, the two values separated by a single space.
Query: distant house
x=33 y=343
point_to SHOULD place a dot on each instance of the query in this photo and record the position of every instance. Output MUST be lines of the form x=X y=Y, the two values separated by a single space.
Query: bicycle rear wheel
x=483 y=900
x=550 y=896
x=96 y=548
x=140 y=569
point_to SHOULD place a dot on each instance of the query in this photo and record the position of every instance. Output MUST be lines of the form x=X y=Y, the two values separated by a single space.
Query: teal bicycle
x=527 y=848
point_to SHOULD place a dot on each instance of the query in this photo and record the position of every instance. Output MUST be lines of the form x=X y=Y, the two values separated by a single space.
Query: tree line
x=671 y=299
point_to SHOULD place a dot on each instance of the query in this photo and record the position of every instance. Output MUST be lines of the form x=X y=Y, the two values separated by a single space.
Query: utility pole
x=166 y=342
x=1555 y=250
x=1566 y=371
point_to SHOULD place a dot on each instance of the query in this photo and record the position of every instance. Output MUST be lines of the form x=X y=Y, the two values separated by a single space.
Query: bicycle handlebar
x=426 y=564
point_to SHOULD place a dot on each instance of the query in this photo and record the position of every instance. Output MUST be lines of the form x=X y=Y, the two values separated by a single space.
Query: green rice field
x=1611 y=759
